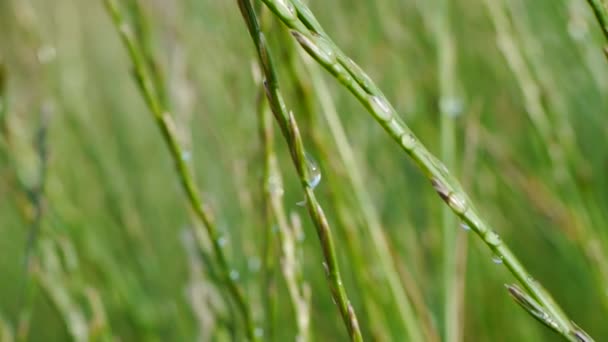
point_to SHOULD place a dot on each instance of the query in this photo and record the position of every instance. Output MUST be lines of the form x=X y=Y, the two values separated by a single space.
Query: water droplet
x=457 y=203
x=186 y=156
x=254 y=264
x=313 y=171
x=395 y=127
x=258 y=332
x=234 y=275
x=408 y=141
x=451 y=106
x=492 y=238
x=497 y=259
x=465 y=226
x=381 y=108
x=222 y=241
x=301 y=203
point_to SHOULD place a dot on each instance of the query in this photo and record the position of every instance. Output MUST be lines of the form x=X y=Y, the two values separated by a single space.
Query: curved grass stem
x=448 y=110
x=291 y=133
x=299 y=290
x=368 y=212
x=165 y=123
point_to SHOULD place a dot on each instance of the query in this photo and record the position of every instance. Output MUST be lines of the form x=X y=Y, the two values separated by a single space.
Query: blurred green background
x=103 y=250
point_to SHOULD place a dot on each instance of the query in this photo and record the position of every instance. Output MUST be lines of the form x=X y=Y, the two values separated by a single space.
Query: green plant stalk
x=273 y=192
x=600 y=10
x=142 y=31
x=447 y=95
x=309 y=34
x=269 y=290
x=368 y=210
x=531 y=306
x=350 y=168
x=49 y=276
x=166 y=125
x=292 y=136
x=373 y=317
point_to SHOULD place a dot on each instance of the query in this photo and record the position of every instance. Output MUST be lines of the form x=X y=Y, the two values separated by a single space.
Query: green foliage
x=106 y=235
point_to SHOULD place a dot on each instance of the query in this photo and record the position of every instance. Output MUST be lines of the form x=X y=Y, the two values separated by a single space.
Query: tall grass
x=307 y=208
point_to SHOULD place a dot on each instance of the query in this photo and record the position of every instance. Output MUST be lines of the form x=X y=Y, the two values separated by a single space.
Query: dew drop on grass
x=381 y=108
x=492 y=238
x=465 y=226
x=457 y=203
x=451 y=106
x=186 y=156
x=313 y=171
x=234 y=275
x=408 y=141
x=222 y=241
x=301 y=203
x=497 y=259
x=395 y=127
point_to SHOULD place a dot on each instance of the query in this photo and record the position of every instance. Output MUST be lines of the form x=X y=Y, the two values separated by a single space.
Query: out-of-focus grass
x=114 y=215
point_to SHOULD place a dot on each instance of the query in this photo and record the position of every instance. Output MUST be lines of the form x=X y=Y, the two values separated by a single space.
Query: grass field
x=152 y=188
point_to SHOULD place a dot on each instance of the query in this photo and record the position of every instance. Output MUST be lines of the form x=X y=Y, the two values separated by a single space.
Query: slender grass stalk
x=36 y=196
x=50 y=276
x=368 y=210
x=166 y=125
x=143 y=34
x=365 y=204
x=269 y=258
x=311 y=36
x=448 y=111
x=299 y=291
x=291 y=133
x=531 y=306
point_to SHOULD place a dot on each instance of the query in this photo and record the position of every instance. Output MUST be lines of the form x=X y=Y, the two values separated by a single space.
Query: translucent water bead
x=313 y=177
